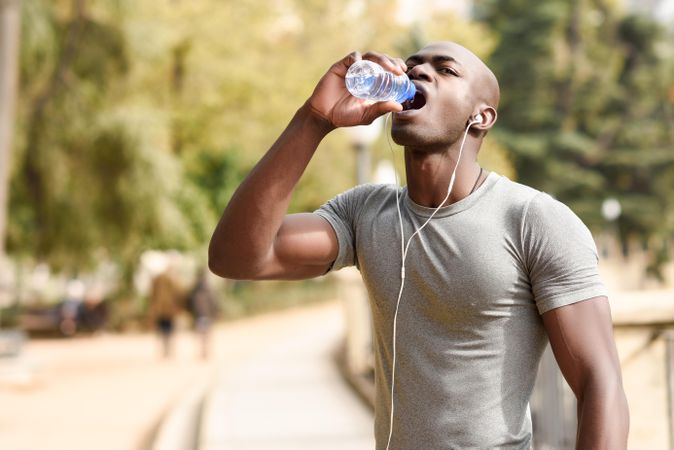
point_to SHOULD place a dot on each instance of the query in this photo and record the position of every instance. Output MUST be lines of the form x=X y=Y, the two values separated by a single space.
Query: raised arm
x=254 y=238
x=581 y=338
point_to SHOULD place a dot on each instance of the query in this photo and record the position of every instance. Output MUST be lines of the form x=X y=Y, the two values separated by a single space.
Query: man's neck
x=429 y=174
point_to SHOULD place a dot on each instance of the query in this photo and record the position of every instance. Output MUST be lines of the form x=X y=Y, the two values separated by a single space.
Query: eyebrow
x=436 y=59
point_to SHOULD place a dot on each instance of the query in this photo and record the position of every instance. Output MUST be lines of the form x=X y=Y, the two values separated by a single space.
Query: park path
x=270 y=378
x=288 y=394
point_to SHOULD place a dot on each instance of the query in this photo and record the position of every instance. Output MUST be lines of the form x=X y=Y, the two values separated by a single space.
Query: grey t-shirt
x=470 y=335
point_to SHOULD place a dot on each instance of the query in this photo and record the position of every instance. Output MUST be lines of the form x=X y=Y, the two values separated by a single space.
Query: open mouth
x=418 y=102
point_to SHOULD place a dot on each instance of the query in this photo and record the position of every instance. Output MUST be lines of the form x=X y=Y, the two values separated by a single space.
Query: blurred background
x=126 y=126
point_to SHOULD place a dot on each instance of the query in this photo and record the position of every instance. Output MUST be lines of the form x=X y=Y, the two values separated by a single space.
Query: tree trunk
x=9 y=59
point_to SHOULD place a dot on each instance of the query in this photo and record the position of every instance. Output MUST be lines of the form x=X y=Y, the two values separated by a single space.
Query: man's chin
x=406 y=135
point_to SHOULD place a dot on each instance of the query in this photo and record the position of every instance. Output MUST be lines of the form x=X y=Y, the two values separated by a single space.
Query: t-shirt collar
x=456 y=207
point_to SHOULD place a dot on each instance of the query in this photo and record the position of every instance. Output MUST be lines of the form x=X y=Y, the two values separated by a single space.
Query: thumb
x=381 y=108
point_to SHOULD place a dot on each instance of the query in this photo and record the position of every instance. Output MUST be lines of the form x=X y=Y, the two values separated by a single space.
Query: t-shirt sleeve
x=342 y=213
x=560 y=255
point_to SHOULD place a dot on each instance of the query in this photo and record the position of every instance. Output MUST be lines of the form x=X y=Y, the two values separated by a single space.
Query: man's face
x=443 y=74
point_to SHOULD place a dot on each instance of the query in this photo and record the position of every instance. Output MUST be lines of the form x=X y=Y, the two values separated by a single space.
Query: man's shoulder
x=364 y=197
x=371 y=189
x=516 y=190
x=532 y=202
x=368 y=192
x=515 y=196
x=541 y=213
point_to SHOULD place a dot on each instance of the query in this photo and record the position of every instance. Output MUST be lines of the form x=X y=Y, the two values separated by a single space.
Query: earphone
x=477 y=119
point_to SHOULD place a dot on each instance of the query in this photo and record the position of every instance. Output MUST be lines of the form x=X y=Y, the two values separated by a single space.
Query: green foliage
x=138 y=120
x=92 y=179
x=240 y=299
x=216 y=174
x=585 y=112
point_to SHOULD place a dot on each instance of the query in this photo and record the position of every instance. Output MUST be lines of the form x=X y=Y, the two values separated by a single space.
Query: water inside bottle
x=369 y=81
x=360 y=85
x=376 y=87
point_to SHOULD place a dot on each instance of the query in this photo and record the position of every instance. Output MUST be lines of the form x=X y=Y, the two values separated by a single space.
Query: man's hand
x=333 y=102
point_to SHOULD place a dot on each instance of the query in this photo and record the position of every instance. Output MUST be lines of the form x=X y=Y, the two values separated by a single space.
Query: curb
x=179 y=429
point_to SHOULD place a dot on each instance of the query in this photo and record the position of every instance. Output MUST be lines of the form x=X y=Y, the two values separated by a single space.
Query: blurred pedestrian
x=95 y=309
x=165 y=305
x=202 y=305
x=70 y=309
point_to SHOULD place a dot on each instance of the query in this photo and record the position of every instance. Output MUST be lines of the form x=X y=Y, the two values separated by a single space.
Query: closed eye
x=444 y=70
x=448 y=70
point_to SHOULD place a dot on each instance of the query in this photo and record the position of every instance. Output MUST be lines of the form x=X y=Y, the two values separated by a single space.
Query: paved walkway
x=103 y=393
x=288 y=394
x=111 y=392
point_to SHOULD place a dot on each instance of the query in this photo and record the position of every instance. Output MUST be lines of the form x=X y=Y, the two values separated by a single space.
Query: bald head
x=484 y=83
x=454 y=87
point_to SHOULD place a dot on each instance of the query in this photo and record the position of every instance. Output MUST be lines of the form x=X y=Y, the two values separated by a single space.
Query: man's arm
x=581 y=337
x=254 y=238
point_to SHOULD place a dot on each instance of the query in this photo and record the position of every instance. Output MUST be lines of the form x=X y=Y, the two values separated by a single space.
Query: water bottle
x=370 y=81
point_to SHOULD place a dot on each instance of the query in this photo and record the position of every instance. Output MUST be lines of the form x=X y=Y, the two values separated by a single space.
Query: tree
x=90 y=183
x=584 y=113
x=9 y=43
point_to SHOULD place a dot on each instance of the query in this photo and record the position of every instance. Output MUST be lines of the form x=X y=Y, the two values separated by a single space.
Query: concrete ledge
x=179 y=430
x=642 y=308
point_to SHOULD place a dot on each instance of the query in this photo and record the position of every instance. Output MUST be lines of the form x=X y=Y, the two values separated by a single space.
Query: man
x=497 y=268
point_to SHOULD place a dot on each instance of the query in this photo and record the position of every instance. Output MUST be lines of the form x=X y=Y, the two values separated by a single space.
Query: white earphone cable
x=404 y=250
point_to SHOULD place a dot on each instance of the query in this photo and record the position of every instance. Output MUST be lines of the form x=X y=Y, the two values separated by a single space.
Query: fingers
x=353 y=57
x=342 y=66
x=385 y=107
x=379 y=109
x=395 y=65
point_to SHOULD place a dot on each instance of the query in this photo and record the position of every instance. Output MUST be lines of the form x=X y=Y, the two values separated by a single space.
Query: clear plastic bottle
x=370 y=81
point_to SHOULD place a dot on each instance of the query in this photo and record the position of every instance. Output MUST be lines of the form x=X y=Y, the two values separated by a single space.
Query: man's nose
x=420 y=72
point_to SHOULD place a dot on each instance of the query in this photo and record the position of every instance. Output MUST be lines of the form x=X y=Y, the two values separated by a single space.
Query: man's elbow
x=216 y=266
x=218 y=262
x=227 y=265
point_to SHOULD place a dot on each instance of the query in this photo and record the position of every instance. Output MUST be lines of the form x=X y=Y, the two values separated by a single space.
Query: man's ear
x=488 y=115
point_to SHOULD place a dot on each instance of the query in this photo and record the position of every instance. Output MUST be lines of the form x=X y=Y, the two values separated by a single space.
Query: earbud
x=478 y=118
